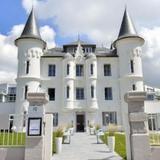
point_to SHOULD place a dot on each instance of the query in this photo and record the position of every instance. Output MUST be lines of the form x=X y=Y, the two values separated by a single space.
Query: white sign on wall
x=34 y=126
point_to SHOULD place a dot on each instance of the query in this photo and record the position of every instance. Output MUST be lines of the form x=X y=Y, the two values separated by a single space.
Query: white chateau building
x=85 y=84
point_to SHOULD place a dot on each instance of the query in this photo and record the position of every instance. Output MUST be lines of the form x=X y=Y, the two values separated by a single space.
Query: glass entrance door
x=80 y=121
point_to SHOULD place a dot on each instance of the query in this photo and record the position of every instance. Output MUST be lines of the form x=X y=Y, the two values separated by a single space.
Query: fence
x=154 y=129
x=9 y=136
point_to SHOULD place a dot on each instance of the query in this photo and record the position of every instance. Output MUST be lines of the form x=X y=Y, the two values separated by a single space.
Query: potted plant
x=59 y=137
x=97 y=128
x=112 y=128
x=71 y=129
x=91 y=129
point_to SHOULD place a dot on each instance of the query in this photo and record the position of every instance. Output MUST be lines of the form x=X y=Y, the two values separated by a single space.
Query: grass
x=120 y=144
x=12 y=139
x=54 y=143
x=154 y=139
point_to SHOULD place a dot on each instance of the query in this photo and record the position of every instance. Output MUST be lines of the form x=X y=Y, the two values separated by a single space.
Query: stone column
x=139 y=137
x=39 y=129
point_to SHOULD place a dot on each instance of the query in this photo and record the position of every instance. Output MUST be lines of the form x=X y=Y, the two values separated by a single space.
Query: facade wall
x=62 y=105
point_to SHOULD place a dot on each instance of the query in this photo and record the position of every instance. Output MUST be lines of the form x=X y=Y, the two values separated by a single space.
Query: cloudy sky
x=97 y=21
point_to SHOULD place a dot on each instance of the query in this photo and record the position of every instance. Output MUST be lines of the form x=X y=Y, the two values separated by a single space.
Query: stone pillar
x=39 y=129
x=139 y=137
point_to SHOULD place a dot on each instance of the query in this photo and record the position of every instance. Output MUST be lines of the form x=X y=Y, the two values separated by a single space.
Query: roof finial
x=78 y=37
x=125 y=6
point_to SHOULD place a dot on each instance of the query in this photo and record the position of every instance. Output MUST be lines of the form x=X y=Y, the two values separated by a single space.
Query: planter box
x=58 y=145
x=111 y=143
x=92 y=131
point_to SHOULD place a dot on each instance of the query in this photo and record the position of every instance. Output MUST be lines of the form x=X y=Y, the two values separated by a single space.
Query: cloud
x=8 y=54
x=151 y=55
x=99 y=20
x=8 y=51
x=48 y=34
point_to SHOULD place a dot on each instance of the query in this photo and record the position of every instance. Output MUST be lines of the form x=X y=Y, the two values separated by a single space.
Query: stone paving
x=85 y=147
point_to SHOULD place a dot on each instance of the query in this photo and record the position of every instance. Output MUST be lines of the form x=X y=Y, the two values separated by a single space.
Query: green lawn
x=120 y=146
x=154 y=139
x=54 y=144
x=12 y=139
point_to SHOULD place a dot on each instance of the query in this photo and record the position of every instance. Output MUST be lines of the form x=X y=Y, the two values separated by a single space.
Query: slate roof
x=127 y=27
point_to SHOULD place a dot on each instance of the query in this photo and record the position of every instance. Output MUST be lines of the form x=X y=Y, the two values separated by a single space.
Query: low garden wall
x=155 y=152
x=16 y=153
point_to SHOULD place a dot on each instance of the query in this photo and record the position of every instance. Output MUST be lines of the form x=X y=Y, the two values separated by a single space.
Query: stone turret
x=128 y=46
x=30 y=49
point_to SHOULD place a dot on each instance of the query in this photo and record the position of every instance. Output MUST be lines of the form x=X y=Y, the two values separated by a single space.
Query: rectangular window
x=107 y=70
x=25 y=92
x=68 y=69
x=134 y=87
x=55 y=119
x=92 y=91
x=92 y=69
x=79 y=70
x=108 y=93
x=52 y=70
x=68 y=92
x=11 y=97
x=109 y=118
x=132 y=66
x=51 y=93
x=27 y=67
x=79 y=93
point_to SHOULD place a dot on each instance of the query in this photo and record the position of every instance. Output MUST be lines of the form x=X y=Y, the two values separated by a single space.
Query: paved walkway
x=84 y=147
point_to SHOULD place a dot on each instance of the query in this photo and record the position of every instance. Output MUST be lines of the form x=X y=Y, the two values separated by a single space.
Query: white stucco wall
x=152 y=106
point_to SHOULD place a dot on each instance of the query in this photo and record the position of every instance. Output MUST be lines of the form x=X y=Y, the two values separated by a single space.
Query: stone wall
x=12 y=153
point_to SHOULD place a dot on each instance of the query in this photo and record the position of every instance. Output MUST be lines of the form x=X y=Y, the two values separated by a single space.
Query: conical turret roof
x=31 y=28
x=127 y=27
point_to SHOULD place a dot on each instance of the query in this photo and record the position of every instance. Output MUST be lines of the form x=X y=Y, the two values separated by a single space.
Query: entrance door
x=80 y=119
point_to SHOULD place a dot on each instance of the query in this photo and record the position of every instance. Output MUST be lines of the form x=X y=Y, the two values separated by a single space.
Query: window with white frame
x=92 y=69
x=132 y=66
x=134 y=87
x=68 y=69
x=11 y=96
x=79 y=70
x=109 y=118
x=51 y=93
x=55 y=119
x=107 y=70
x=27 y=66
x=68 y=92
x=79 y=93
x=92 y=92
x=108 y=93
x=25 y=92
x=153 y=121
x=51 y=70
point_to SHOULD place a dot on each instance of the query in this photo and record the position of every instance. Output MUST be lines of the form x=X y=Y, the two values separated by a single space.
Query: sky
x=96 y=21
